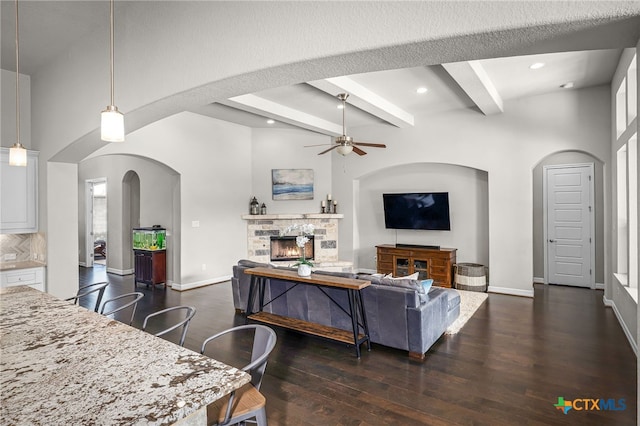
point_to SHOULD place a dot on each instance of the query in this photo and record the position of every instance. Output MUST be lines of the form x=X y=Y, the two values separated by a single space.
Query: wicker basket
x=470 y=277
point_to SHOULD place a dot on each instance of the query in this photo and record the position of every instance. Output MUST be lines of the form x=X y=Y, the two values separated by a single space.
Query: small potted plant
x=304 y=266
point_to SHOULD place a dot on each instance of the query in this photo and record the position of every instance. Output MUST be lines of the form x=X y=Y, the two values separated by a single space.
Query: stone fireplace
x=261 y=229
x=285 y=248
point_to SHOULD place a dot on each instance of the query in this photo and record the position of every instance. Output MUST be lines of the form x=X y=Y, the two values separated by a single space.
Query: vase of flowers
x=304 y=266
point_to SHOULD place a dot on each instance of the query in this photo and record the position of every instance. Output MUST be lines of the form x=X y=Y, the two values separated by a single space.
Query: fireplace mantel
x=261 y=227
x=292 y=216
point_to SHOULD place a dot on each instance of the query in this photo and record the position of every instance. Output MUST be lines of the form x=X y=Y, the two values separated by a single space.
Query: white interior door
x=569 y=225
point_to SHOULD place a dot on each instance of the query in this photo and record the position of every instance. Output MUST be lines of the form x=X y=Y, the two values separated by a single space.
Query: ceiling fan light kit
x=345 y=144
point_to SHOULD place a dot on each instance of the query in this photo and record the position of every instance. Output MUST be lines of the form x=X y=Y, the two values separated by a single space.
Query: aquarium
x=153 y=238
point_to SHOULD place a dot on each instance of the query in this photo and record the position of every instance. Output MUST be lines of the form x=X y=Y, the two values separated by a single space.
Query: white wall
x=156 y=205
x=8 y=115
x=213 y=159
x=468 y=205
x=285 y=149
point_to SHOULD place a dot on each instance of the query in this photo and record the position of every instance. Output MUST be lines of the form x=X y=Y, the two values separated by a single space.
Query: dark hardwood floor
x=507 y=366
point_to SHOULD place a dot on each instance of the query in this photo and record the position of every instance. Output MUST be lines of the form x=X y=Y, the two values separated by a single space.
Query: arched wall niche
x=469 y=210
x=567 y=157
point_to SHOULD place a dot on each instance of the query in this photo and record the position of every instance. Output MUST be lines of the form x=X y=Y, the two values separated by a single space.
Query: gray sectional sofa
x=399 y=313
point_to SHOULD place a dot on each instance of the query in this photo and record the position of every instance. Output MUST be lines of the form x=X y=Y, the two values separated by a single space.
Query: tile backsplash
x=25 y=247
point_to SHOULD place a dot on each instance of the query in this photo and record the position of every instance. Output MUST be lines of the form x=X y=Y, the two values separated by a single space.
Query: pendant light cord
x=17 y=80
x=111 y=53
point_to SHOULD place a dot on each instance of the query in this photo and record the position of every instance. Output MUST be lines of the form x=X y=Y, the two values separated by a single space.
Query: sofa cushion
x=252 y=264
x=404 y=283
x=337 y=274
x=413 y=276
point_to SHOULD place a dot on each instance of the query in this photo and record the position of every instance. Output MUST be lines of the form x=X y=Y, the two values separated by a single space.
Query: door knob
x=552 y=241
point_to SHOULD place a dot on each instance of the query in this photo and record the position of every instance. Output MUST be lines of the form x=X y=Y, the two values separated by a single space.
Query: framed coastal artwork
x=292 y=184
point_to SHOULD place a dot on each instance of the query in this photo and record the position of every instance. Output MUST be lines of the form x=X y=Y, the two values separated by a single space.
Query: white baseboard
x=599 y=286
x=610 y=303
x=83 y=264
x=510 y=291
x=120 y=271
x=367 y=271
x=538 y=280
x=196 y=284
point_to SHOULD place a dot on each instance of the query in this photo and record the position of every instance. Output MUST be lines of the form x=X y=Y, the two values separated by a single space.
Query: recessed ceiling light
x=422 y=90
x=568 y=85
x=536 y=66
x=270 y=121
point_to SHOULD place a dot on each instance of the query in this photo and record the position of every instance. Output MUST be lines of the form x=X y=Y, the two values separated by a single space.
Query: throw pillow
x=426 y=284
x=408 y=277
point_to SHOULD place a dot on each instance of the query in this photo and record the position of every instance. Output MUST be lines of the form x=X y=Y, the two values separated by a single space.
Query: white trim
x=611 y=304
x=510 y=291
x=83 y=264
x=592 y=227
x=120 y=271
x=196 y=284
x=599 y=286
x=538 y=280
x=367 y=271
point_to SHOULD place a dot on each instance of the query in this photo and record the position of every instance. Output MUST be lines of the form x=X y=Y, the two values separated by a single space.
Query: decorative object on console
x=292 y=184
x=263 y=209
x=253 y=206
x=305 y=229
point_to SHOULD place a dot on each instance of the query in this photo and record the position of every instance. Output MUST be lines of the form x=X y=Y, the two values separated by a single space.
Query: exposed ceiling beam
x=473 y=79
x=270 y=109
x=365 y=99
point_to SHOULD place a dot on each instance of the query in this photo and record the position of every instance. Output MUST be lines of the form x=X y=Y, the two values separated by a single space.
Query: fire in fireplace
x=285 y=248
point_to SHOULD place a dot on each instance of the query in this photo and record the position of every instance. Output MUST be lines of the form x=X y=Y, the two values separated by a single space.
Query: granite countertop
x=26 y=264
x=63 y=364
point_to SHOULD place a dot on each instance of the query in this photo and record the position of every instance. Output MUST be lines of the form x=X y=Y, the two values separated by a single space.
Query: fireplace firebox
x=285 y=248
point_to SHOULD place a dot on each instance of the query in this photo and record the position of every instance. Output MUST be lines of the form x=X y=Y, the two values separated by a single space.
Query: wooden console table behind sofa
x=429 y=263
x=350 y=285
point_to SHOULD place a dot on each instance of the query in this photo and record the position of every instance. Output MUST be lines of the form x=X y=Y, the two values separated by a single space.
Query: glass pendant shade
x=112 y=125
x=18 y=155
x=344 y=149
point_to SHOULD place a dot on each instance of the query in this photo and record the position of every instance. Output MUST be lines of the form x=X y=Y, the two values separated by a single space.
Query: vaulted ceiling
x=385 y=97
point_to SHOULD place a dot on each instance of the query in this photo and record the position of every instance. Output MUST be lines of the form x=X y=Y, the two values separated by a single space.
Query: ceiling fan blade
x=374 y=145
x=320 y=144
x=324 y=152
x=358 y=151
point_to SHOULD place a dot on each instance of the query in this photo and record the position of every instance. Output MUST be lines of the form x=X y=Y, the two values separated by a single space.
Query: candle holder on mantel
x=329 y=206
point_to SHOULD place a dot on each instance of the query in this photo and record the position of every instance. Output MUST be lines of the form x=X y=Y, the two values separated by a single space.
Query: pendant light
x=112 y=120
x=17 y=153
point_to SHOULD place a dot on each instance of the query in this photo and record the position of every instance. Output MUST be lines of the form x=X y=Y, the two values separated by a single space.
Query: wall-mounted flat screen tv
x=417 y=210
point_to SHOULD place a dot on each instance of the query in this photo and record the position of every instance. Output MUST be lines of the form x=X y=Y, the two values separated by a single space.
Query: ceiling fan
x=345 y=144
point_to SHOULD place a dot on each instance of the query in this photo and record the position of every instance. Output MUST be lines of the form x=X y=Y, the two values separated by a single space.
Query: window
x=626 y=179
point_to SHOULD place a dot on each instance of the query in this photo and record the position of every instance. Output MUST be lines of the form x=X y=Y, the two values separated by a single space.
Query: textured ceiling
x=52 y=29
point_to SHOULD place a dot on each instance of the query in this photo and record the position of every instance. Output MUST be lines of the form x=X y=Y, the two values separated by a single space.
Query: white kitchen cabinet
x=18 y=195
x=33 y=277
